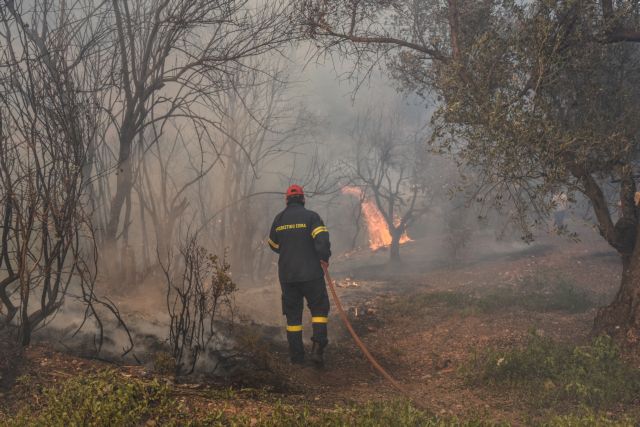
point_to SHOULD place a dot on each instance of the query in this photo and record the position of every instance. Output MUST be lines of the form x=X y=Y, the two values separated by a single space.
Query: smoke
x=145 y=315
x=227 y=187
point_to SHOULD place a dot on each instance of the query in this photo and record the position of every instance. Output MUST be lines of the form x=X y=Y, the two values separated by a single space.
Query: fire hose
x=363 y=348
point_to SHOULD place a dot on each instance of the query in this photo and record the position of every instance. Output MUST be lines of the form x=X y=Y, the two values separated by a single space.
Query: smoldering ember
x=319 y=213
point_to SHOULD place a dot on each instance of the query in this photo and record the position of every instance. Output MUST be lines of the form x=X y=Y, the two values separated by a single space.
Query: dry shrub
x=200 y=303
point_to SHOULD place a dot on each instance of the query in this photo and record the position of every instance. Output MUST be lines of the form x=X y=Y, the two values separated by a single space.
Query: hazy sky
x=330 y=95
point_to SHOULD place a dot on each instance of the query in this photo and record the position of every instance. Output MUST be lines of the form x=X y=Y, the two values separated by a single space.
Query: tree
x=388 y=163
x=167 y=172
x=151 y=62
x=170 y=57
x=262 y=125
x=47 y=250
x=532 y=95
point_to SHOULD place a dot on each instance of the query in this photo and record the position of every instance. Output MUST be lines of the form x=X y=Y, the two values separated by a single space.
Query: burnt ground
x=425 y=347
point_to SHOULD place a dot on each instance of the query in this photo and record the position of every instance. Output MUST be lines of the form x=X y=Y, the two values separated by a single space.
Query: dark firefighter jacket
x=302 y=240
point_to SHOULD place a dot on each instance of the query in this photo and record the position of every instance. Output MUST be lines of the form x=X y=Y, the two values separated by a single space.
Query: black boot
x=296 y=347
x=317 y=357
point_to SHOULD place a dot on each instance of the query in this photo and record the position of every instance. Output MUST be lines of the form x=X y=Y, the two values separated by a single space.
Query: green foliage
x=102 y=399
x=399 y=414
x=109 y=399
x=539 y=292
x=537 y=102
x=590 y=420
x=97 y=401
x=593 y=375
x=396 y=413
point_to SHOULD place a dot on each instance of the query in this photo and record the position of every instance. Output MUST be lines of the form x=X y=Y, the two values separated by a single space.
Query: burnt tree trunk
x=111 y=254
x=394 y=254
x=124 y=184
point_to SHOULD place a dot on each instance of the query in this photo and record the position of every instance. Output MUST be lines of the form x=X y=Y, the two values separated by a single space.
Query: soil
x=424 y=351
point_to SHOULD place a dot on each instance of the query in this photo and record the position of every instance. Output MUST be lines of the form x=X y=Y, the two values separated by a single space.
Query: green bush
x=102 y=399
x=594 y=375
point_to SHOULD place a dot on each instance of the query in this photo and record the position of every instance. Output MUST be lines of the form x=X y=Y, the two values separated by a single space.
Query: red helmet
x=295 y=190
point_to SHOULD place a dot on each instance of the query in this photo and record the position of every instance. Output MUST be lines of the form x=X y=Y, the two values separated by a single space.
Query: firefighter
x=301 y=239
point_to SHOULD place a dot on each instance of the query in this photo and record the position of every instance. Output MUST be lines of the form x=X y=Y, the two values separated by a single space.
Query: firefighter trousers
x=293 y=295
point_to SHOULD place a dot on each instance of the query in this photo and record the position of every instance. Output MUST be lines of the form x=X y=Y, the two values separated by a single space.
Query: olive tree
x=533 y=95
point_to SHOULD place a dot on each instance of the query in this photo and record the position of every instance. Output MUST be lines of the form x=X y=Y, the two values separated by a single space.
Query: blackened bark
x=394 y=254
x=124 y=184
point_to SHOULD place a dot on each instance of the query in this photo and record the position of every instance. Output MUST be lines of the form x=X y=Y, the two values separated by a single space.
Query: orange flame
x=379 y=235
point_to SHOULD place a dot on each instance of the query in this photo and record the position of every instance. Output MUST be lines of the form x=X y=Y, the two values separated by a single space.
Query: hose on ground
x=363 y=348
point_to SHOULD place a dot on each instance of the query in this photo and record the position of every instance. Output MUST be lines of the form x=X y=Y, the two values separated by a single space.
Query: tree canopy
x=533 y=96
